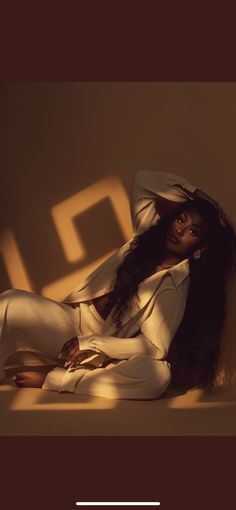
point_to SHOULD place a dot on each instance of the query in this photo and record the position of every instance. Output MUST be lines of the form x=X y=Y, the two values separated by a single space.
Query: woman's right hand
x=70 y=351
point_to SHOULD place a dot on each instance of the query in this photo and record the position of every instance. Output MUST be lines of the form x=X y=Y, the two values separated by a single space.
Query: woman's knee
x=163 y=376
x=14 y=303
x=156 y=375
x=11 y=293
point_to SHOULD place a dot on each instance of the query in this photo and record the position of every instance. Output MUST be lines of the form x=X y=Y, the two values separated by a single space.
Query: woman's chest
x=103 y=305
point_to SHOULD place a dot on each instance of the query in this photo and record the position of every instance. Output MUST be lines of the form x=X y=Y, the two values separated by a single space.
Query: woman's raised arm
x=154 y=194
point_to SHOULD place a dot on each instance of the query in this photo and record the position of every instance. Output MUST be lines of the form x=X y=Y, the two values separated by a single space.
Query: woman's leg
x=140 y=377
x=28 y=379
x=29 y=322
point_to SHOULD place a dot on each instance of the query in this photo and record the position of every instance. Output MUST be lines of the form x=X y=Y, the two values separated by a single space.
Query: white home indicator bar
x=118 y=503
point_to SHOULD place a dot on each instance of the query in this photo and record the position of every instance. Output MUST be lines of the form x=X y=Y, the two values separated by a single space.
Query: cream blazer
x=150 y=325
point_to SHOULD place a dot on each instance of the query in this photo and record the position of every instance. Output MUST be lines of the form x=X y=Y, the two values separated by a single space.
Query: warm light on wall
x=64 y=213
x=73 y=247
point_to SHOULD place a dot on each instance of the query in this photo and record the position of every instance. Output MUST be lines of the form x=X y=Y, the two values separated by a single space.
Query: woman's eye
x=180 y=220
x=193 y=232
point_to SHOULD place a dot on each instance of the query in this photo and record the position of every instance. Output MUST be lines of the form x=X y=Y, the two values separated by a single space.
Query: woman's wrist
x=185 y=191
x=201 y=194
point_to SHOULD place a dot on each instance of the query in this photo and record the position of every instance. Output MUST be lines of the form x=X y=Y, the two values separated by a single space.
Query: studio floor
x=32 y=411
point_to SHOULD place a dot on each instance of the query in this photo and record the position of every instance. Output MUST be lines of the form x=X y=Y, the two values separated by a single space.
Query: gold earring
x=197 y=254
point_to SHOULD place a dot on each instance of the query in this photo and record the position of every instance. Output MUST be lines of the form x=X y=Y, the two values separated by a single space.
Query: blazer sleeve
x=155 y=335
x=147 y=187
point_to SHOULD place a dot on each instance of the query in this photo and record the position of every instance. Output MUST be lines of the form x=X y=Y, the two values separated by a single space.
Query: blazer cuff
x=85 y=342
x=61 y=379
x=54 y=379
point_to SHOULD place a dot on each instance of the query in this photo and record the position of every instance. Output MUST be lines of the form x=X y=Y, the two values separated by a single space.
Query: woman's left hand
x=221 y=214
x=201 y=194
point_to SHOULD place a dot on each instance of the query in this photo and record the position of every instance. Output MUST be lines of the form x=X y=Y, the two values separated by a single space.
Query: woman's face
x=186 y=234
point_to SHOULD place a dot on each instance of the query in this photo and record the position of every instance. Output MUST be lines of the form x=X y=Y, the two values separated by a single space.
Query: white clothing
x=141 y=343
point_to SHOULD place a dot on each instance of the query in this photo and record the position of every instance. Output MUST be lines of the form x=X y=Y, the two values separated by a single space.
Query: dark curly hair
x=195 y=349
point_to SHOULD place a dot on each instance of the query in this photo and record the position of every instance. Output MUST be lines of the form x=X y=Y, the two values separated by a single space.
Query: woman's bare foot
x=29 y=379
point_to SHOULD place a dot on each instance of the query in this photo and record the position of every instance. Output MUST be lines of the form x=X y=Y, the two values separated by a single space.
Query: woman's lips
x=173 y=238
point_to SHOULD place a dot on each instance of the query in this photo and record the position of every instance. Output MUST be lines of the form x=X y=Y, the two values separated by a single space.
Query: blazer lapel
x=100 y=281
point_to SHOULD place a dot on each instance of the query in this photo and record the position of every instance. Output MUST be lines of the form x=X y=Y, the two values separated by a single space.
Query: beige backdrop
x=69 y=153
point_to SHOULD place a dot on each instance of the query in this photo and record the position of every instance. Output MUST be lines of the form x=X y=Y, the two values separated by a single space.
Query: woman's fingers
x=72 y=357
x=221 y=213
x=73 y=353
x=73 y=342
x=67 y=346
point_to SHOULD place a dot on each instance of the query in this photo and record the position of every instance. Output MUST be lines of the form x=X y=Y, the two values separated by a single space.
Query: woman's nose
x=180 y=231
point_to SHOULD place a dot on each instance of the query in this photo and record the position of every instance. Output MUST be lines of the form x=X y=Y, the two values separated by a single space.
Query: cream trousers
x=29 y=322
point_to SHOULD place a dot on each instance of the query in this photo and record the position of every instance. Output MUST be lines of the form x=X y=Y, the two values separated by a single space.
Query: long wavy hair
x=195 y=349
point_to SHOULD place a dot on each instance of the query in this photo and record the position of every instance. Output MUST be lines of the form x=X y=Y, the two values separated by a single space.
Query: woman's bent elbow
x=154 y=376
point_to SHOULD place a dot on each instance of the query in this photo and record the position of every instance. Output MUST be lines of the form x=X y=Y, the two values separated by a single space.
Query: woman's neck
x=170 y=260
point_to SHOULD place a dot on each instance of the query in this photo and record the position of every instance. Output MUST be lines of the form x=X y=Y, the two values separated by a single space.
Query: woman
x=151 y=313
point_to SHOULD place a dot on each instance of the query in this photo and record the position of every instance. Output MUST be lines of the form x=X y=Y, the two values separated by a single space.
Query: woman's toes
x=19 y=379
x=29 y=379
